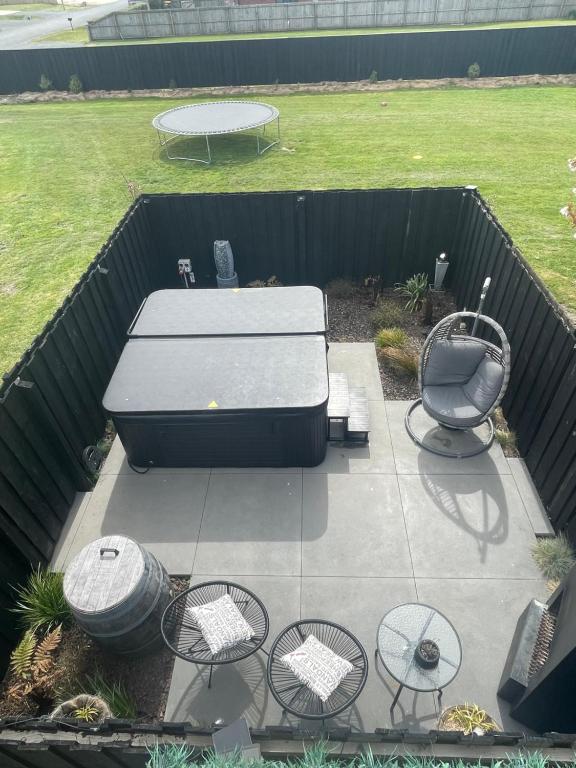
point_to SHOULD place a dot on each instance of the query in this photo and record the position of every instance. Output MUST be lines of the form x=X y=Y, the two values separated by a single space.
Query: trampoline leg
x=208 y=148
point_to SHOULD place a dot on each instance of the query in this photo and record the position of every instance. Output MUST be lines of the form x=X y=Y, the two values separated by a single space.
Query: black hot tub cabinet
x=257 y=401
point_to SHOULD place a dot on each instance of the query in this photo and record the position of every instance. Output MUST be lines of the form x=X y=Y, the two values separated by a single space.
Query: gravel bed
x=350 y=320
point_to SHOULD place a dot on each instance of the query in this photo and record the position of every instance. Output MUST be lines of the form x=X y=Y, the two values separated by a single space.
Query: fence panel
x=540 y=404
x=51 y=406
x=499 y=52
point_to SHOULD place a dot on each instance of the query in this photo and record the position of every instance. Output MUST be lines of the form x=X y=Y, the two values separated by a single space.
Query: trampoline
x=216 y=118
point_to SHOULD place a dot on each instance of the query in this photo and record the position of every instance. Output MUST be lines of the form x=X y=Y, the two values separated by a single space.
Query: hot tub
x=241 y=401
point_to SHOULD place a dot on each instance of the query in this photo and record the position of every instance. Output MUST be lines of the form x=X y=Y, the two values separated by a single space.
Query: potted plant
x=85 y=707
x=468 y=718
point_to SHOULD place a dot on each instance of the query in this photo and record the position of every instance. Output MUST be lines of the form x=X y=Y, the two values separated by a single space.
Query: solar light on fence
x=442 y=265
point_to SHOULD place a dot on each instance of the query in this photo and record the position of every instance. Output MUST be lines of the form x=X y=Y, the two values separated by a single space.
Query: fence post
x=228 y=20
x=301 y=238
x=466 y=11
x=172 y=27
x=315 y=15
x=436 y=4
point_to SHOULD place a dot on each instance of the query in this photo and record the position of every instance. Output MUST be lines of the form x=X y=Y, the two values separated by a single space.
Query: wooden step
x=359 y=418
x=338 y=406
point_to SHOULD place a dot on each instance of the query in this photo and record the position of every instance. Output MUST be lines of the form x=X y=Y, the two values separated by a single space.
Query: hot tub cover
x=203 y=375
x=235 y=312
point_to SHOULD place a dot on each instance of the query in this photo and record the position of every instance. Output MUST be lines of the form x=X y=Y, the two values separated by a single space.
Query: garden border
x=123 y=744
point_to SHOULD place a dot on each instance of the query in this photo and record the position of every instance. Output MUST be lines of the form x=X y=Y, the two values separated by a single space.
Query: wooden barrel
x=117 y=592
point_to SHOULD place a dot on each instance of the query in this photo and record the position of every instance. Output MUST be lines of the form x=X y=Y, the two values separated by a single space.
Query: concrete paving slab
x=359 y=363
x=529 y=495
x=74 y=520
x=411 y=459
x=376 y=456
x=471 y=525
x=353 y=526
x=161 y=512
x=252 y=525
x=484 y=613
x=237 y=689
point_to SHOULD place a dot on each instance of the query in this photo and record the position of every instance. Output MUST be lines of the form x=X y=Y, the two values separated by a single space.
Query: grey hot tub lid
x=236 y=312
x=203 y=375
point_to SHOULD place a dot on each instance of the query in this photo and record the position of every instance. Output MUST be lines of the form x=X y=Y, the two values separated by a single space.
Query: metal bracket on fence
x=18 y=382
x=102 y=270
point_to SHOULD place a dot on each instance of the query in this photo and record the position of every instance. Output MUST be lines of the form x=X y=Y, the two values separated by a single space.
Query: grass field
x=62 y=166
x=80 y=35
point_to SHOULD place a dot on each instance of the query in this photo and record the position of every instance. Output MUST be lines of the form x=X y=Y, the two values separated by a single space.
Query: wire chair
x=293 y=695
x=448 y=332
x=183 y=636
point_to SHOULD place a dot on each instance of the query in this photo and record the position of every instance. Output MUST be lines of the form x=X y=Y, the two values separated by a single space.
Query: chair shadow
x=446 y=490
x=238 y=690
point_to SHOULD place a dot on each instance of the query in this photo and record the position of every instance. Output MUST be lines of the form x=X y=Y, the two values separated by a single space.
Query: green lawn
x=81 y=35
x=62 y=165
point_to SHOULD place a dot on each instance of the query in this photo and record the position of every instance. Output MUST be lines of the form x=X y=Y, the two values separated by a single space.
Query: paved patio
x=372 y=527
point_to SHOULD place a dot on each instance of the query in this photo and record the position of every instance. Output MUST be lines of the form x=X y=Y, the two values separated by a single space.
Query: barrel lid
x=104 y=574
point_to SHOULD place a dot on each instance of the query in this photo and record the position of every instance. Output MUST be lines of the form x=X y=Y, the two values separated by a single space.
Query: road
x=22 y=34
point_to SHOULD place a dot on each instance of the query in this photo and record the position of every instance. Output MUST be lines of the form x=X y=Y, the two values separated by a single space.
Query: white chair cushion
x=221 y=623
x=319 y=668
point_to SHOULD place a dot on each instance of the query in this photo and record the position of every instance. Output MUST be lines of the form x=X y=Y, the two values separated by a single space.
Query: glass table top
x=399 y=634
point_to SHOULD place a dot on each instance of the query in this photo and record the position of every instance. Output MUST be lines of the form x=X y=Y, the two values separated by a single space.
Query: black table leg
x=398 y=692
x=440 y=699
x=210 y=676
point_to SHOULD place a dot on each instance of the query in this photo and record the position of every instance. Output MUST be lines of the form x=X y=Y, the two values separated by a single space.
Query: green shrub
x=474 y=71
x=341 y=288
x=506 y=438
x=373 y=77
x=45 y=83
x=40 y=602
x=415 y=290
x=402 y=359
x=114 y=694
x=171 y=756
x=572 y=14
x=75 y=84
x=391 y=337
x=554 y=556
x=386 y=314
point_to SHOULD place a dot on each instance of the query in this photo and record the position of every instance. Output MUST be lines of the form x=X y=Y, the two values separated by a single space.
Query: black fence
x=50 y=404
x=123 y=744
x=305 y=237
x=499 y=52
x=50 y=407
x=540 y=404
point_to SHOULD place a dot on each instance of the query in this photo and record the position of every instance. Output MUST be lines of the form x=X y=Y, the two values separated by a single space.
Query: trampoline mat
x=215 y=117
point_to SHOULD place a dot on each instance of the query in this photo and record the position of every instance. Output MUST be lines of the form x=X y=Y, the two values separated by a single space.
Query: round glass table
x=419 y=648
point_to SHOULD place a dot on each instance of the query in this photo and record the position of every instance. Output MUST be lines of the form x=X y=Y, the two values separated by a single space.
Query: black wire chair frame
x=294 y=696
x=183 y=636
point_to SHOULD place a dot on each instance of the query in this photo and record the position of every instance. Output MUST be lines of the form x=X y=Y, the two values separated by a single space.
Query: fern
x=44 y=653
x=23 y=655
